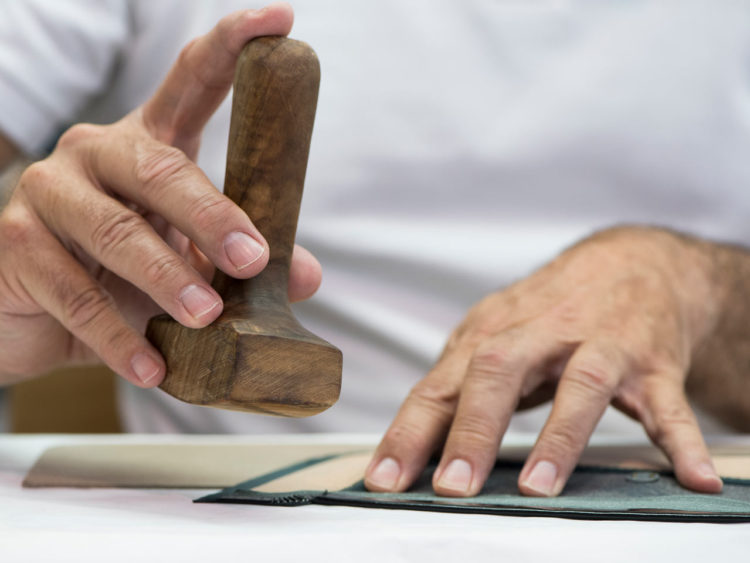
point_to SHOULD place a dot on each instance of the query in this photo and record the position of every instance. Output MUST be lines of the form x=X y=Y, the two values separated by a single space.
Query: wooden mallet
x=256 y=356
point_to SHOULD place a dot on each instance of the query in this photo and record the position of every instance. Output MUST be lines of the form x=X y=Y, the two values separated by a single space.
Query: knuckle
x=488 y=357
x=562 y=438
x=83 y=308
x=117 y=337
x=37 y=175
x=479 y=332
x=185 y=52
x=407 y=436
x=494 y=368
x=210 y=211
x=162 y=268
x=592 y=378
x=79 y=133
x=472 y=430
x=668 y=419
x=568 y=313
x=115 y=230
x=434 y=396
x=206 y=77
x=156 y=168
x=229 y=25
x=186 y=58
x=17 y=228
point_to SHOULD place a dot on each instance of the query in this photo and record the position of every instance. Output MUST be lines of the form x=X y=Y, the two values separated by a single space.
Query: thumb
x=203 y=74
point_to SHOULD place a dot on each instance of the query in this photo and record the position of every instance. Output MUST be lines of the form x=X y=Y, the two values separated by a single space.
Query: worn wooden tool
x=256 y=356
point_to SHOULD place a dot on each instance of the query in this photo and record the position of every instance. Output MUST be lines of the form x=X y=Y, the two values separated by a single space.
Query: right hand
x=617 y=319
x=118 y=223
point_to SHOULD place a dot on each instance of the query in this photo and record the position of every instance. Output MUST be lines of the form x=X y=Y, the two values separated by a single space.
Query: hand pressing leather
x=616 y=319
x=119 y=224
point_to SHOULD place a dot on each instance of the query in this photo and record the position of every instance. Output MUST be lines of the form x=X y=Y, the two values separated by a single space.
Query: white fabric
x=457 y=147
x=126 y=525
x=54 y=56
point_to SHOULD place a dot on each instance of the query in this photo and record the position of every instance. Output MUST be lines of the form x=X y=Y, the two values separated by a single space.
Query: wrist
x=718 y=379
x=683 y=267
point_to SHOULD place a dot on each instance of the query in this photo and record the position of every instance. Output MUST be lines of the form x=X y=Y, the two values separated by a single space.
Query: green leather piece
x=596 y=493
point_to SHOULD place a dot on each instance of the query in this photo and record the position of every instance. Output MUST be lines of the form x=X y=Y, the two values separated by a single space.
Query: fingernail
x=198 y=301
x=456 y=477
x=145 y=367
x=242 y=249
x=542 y=478
x=385 y=475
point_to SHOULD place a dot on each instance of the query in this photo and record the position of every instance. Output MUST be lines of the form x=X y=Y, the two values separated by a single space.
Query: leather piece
x=595 y=493
x=168 y=466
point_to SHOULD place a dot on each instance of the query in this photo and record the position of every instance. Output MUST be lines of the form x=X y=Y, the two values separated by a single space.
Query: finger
x=123 y=242
x=55 y=280
x=203 y=74
x=671 y=424
x=304 y=274
x=198 y=261
x=489 y=395
x=583 y=393
x=165 y=181
x=416 y=432
x=182 y=246
x=422 y=422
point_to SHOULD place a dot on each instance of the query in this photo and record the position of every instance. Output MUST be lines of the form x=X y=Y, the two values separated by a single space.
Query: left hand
x=615 y=319
x=119 y=224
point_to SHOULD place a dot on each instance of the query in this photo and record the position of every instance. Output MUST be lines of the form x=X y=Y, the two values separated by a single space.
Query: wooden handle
x=256 y=356
x=273 y=109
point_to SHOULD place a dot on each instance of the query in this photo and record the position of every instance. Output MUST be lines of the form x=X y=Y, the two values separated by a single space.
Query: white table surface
x=148 y=525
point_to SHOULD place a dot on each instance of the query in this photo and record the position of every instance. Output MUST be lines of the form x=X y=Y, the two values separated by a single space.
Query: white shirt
x=457 y=147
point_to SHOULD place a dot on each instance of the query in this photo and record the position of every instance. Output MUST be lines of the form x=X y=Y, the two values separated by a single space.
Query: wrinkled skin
x=118 y=224
x=615 y=319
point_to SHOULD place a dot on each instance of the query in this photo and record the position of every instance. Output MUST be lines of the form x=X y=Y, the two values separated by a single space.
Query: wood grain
x=256 y=356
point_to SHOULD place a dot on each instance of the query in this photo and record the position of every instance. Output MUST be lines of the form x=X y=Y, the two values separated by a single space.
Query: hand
x=615 y=319
x=119 y=223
